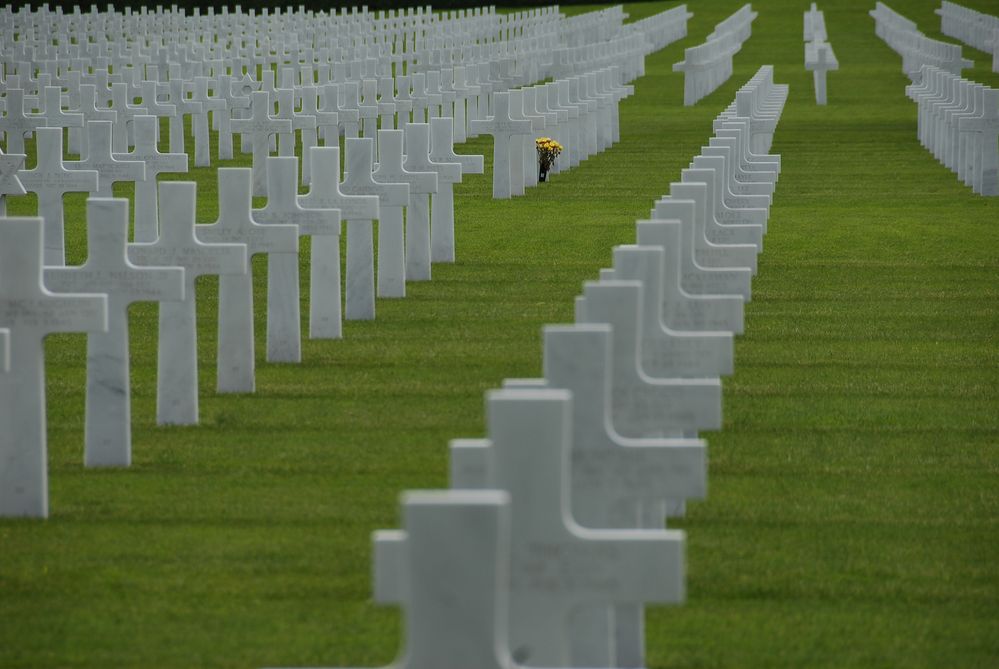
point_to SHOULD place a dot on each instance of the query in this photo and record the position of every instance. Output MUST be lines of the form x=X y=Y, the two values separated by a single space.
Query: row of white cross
x=440 y=62
x=958 y=122
x=707 y=66
x=408 y=191
x=551 y=541
x=916 y=49
x=819 y=56
x=974 y=28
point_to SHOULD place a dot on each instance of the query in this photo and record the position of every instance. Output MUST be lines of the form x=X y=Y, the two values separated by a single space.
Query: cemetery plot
x=552 y=539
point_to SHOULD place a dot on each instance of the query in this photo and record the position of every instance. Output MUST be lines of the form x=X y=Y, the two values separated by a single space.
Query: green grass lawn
x=853 y=514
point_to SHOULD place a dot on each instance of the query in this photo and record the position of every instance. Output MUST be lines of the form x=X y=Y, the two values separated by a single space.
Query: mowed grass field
x=853 y=514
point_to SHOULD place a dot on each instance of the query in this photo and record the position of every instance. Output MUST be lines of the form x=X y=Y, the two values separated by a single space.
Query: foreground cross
x=616 y=482
x=108 y=441
x=30 y=313
x=556 y=565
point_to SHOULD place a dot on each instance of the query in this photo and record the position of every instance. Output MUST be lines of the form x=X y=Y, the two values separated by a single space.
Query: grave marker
x=99 y=157
x=646 y=406
x=235 y=225
x=556 y=565
x=322 y=224
x=177 y=245
x=50 y=180
x=420 y=254
x=15 y=124
x=442 y=215
x=108 y=439
x=260 y=127
x=359 y=211
x=392 y=197
x=504 y=129
x=30 y=312
x=146 y=218
x=393 y=249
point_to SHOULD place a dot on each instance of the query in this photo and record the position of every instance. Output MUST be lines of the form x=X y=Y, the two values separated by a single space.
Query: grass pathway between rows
x=852 y=515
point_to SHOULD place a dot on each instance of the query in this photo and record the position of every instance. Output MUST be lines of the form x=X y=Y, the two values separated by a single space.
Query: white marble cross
x=30 y=312
x=10 y=182
x=709 y=247
x=643 y=405
x=322 y=224
x=701 y=276
x=347 y=118
x=388 y=104
x=177 y=245
x=666 y=352
x=442 y=215
x=418 y=159
x=384 y=109
x=78 y=143
x=683 y=309
x=299 y=122
x=199 y=125
x=505 y=131
x=819 y=58
x=235 y=225
x=99 y=157
x=556 y=565
x=358 y=211
x=349 y=106
x=260 y=126
x=50 y=180
x=229 y=88
x=985 y=156
x=616 y=482
x=367 y=107
x=733 y=220
x=522 y=102
x=417 y=234
x=122 y=130
x=185 y=107
x=146 y=219
x=392 y=197
x=55 y=117
x=15 y=124
x=108 y=440
x=465 y=99
x=326 y=126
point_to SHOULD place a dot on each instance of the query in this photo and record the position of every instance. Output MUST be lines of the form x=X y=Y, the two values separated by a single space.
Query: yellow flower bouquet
x=548 y=150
